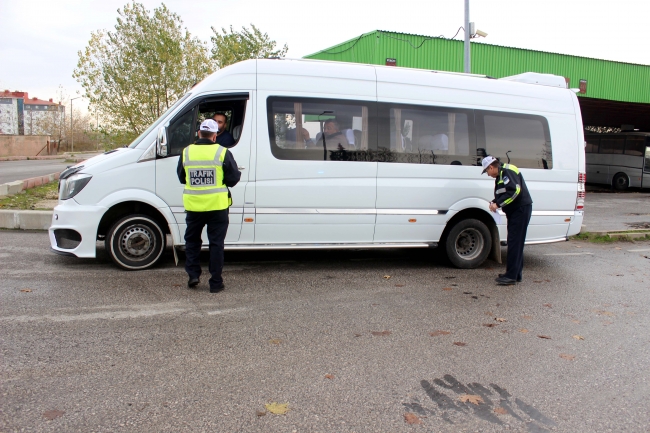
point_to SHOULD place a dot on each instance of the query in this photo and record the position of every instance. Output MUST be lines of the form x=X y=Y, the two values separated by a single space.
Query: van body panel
x=289 y=203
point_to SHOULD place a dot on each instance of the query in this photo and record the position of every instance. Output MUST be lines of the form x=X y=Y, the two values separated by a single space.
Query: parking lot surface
x=352 y=341
x=617 y=211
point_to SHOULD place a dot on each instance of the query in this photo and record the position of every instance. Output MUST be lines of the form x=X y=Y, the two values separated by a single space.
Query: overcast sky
x=39 y=39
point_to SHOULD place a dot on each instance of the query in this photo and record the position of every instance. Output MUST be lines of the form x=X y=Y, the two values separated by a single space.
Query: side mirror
x=161 y=142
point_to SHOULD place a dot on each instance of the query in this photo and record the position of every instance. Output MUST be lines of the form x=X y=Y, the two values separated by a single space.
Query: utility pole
x=71 y=126
x=467 y=58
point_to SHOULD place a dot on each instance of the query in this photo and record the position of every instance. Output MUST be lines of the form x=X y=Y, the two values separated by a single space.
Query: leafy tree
x=134 y=73
x=233 y=47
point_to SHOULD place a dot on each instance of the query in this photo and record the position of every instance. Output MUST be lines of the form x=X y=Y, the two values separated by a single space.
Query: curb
x=11 y=188
x=26 y=219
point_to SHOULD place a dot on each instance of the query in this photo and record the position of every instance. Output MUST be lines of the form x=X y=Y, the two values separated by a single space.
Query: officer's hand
x=493 y=207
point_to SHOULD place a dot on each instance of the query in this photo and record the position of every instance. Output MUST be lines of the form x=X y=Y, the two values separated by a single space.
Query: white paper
x=497 y=217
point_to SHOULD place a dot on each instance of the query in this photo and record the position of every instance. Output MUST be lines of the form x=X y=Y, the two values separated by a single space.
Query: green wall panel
x=605 y=79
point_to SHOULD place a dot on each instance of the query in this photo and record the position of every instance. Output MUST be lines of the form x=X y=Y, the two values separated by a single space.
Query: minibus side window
x=321 y=129
x=612 y=145
x=635 y=145
x=181 y=132
x=414 y=134
x=524 y=138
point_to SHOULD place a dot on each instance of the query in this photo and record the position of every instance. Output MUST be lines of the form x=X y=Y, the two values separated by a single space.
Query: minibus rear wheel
x=135 y=242
x=468 y=244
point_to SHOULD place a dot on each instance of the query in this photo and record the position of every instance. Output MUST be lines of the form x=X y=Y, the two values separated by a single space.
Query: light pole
x=71 y=127
x=467 y=59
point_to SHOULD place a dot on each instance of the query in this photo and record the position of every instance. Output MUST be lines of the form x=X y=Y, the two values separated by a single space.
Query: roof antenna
x=508 y=156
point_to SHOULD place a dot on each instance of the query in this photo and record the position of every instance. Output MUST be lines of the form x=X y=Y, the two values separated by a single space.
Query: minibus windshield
x=140 y=137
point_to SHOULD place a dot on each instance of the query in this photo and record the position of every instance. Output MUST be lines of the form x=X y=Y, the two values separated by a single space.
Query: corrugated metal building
x=616 y=93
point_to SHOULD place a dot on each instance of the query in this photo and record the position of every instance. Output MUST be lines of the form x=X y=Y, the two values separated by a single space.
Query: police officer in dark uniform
x=511 y=194
x=207 y=170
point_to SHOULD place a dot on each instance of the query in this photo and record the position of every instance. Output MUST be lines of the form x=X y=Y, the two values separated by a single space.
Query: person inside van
x=224 y=137
x=334 y=138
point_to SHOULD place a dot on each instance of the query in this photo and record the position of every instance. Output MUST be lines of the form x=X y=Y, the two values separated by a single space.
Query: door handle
x=241 y=168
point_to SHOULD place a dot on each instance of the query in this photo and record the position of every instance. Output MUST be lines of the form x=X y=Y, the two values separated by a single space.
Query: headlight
x=71 y=186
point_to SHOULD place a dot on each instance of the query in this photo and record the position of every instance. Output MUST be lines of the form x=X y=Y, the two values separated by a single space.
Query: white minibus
x=620 y=160
x=339 y=155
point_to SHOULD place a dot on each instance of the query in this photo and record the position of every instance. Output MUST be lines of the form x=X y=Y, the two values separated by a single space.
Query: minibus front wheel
x=468 y=243
x=135 y=242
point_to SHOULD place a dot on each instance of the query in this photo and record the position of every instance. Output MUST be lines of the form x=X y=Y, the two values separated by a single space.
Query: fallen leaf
x=260 y=413
x=527 y=317
x=501 y=411
x=578 y=337
x=575 y=321
x=567 y=357
x=474 y=297
x=578 y=246
x=474 y=399
x=450 y=277
x=500 y=319
x=548 y=281
x=630 y=313
x=399 y=285
x=177 y=285
x=545 y=337
x=277 y=408
x=537 y=281
x=505 y=331
x=275 y=341
x=25 y=290
x=490 y=325
x=411 y=418
x=548 y=305
x=618 y=248
x=523 y=331
x=489 y=313
x=52 y=414
x=459 y=343
x=604 y=313
x=380 y=333
x=437 y=333
x=446 y=288
x=607 y=322
x=467 y=293
x=357 y=335
x=329 y=376
x=387 y=277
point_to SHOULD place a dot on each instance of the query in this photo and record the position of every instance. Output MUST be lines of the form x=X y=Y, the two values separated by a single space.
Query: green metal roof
x=606 y=79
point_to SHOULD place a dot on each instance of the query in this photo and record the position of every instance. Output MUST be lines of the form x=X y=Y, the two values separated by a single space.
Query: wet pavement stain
x=446 y=394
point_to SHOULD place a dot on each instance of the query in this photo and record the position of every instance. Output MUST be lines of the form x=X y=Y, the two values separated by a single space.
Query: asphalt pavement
x=24 y=169
x=351 y=341
x=610 y=211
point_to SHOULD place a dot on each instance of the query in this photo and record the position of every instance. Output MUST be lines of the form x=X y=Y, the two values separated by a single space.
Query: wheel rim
x=469 y=244
x=621 y=181
x=137 y=242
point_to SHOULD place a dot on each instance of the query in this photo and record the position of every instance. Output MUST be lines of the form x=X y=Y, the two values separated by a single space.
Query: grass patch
x=598 y=239
x=28 y=199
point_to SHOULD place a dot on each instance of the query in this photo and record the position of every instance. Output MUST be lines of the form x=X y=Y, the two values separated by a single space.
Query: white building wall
x=8 y=116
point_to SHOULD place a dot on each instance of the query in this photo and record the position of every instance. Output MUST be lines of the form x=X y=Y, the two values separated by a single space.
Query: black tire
x=135 y=242
x=620 y=182
x=468 y=244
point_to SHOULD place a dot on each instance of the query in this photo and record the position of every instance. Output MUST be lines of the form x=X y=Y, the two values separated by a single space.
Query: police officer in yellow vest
x=207 y=170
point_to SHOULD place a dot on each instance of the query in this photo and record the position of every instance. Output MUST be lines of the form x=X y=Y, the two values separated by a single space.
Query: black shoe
x=217 y=289
x=503 y=281
x=503 y=275
x=193 y=282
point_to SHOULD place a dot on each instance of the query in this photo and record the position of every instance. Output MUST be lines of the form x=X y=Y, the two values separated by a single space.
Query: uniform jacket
x=510 y=191
x=231 y=173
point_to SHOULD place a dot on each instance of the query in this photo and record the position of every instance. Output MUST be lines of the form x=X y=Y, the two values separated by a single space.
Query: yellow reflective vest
x=204 y=187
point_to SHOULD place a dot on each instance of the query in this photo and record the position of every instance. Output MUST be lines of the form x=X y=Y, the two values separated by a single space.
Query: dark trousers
x=217 y=222
x=518 y=221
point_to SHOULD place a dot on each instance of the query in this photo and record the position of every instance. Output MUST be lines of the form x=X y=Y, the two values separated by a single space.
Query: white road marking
x=639 y=250
x=570 y=254
x=226 y=311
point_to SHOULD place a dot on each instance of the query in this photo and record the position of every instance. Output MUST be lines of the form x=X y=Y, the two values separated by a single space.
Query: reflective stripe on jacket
x=510 y=188
x=204 y=187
